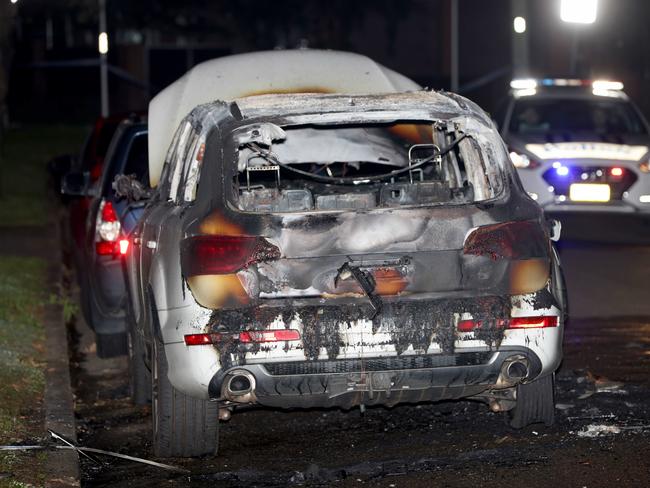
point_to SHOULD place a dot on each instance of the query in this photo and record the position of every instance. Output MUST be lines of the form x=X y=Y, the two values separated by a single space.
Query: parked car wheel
x=111 y=345
x=182 y=426
x=139 y=374
x=535 y=403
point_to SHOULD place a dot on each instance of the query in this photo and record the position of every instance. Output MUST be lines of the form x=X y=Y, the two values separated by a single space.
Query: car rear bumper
x=384 y=381
x=636 y=199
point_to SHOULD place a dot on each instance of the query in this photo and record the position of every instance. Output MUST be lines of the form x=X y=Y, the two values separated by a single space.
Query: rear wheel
x=111 y=345
x=535 y=403
x=182 y=426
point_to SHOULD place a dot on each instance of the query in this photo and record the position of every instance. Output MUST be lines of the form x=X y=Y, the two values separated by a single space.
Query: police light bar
x=564 y=82
x=607 y=85
x=523 y=84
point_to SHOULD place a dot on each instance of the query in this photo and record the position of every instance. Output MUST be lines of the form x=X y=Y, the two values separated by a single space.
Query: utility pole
x=454 y=46
x=103 y=57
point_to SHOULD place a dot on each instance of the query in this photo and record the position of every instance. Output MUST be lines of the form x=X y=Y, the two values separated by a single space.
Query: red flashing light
x=246 y=337
x=616 y=171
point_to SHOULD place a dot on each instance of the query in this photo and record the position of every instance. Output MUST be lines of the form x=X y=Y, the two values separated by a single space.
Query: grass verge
x=23 y=162
x=22 y=295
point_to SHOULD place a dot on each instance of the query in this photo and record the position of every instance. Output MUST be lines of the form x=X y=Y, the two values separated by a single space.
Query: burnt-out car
x=341 y=250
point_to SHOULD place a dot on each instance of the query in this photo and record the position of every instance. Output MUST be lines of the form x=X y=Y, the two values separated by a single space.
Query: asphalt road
x=601 y=436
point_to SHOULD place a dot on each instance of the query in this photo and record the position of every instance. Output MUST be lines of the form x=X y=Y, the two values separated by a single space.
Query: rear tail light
x=246 y=337
x=107 y=231
x=210 y=255
x=512 y=240
x=124 y=246
x=538 y=322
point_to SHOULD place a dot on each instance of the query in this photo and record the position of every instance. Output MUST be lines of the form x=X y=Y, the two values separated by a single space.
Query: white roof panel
x=242 y=75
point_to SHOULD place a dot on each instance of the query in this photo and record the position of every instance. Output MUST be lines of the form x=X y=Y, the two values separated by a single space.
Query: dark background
x=154 y=42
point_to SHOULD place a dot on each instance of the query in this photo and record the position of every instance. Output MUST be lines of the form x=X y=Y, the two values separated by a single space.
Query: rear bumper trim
x=312 y=385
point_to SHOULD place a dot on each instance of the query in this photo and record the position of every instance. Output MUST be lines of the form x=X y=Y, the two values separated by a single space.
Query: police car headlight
x=522 y=161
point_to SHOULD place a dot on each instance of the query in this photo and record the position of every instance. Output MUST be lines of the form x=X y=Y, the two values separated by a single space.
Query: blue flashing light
x=562 y=171
x=547 y=82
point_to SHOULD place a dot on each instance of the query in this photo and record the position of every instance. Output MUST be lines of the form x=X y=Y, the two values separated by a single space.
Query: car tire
x=111 y=345
x=535 y=403
x=182 y=426
x=139 y=374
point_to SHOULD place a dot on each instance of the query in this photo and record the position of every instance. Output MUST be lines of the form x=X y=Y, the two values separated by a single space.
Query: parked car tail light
x=246 y=337
x=538 y=322
x=215 y=254
x=512 y=240
x=124 y=246
x=107 y=231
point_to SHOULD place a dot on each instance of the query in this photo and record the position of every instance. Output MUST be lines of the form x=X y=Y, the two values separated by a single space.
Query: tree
x=7 y=14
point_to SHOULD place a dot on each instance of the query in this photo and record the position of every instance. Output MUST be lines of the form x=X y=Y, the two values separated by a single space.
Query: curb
x=62 y=466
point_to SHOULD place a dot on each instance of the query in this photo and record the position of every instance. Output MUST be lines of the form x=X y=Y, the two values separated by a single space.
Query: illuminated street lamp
x=579 y=11
x=519 y=25
x=102 y=43
x=102 y=47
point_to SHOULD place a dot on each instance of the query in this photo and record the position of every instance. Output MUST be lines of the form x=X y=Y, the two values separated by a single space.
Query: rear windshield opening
x=347 y=167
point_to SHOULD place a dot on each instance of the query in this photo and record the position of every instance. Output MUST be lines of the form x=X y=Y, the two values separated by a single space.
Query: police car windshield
x=566 y=116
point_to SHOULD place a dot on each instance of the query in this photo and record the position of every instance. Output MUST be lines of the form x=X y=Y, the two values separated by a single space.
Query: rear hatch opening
x=361 y=166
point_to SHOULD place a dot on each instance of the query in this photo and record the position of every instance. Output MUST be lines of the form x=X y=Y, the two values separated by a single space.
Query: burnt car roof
x=420 y=103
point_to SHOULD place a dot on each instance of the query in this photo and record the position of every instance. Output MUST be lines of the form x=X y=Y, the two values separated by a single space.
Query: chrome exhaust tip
x=240 y=387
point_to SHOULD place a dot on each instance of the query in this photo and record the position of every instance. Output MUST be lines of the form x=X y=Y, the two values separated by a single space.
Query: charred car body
x=330 y=250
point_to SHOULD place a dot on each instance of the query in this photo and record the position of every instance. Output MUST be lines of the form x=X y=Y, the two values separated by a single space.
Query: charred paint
x=415 y=324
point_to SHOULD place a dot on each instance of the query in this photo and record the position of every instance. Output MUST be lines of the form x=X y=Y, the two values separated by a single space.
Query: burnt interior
x=361 y=166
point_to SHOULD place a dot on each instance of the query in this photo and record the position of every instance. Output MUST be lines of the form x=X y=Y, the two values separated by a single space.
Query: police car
x=578 y=145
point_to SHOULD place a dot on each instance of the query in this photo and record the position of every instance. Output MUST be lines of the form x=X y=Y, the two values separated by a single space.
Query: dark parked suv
x=107 y=226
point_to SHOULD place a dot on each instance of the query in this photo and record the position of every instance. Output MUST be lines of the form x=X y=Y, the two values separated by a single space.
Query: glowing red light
x=616 y=171
x=124 y=246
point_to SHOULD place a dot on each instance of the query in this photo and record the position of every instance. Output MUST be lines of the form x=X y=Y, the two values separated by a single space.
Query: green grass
x=21 y=354
x=23 y=200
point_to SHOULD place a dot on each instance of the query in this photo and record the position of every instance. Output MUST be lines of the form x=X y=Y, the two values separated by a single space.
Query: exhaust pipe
x=517 y=370
x=514 y=370
x=240 y=387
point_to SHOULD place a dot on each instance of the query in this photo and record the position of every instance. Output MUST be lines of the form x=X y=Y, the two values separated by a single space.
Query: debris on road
x=83 y=451
x=594 y=430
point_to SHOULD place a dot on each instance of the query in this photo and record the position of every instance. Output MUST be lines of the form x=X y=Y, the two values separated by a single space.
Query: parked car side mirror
x=555 y=229
x=76 y=184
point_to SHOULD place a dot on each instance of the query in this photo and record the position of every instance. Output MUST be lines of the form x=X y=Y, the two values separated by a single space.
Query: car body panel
x=431 y=286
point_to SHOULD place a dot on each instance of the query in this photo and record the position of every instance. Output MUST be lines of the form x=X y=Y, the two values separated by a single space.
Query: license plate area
x=589 y=192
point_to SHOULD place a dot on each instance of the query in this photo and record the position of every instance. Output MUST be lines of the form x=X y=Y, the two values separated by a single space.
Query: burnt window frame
x=230 y=158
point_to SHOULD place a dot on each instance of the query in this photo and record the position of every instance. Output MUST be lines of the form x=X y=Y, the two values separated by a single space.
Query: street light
x=102 y=43
x=519 y=24
x=579 y=11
